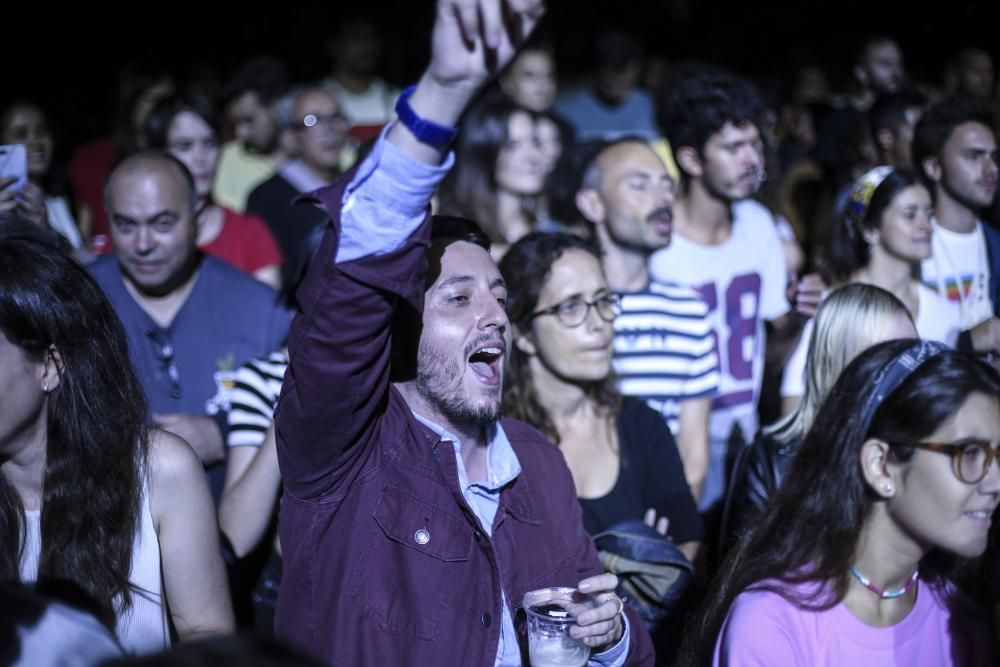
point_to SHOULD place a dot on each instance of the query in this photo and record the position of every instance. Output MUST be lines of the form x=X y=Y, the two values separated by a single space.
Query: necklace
x=866 y=582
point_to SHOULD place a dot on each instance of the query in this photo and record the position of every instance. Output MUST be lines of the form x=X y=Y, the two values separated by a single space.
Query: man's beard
x=720 y=194
x=439 y=382
x=967 y=200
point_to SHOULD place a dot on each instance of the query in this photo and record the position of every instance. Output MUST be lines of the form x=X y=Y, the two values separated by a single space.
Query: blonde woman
x=851 y=319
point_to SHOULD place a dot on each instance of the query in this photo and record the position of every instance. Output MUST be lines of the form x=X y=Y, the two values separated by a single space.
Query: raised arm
x=371 y=262
x=472 y=40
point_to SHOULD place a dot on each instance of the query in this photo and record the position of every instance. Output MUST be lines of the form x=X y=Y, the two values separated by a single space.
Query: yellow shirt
x=662 y=148
x=238 y=173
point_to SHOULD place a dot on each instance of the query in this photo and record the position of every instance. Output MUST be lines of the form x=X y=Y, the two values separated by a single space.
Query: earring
x=45 y=387
x=887 y=487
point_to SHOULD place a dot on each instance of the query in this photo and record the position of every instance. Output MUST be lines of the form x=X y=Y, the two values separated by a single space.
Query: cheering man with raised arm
x=414 y=519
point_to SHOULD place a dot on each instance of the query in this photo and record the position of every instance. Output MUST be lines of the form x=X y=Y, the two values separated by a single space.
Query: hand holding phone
x=14 y=165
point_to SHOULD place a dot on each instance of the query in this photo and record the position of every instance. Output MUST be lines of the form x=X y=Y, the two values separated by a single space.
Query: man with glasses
x=664 y=349
x=192 y=320
x=317 y=130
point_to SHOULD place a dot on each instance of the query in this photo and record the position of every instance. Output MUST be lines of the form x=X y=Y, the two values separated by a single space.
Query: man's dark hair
x=265 y=75
x=703 y=101
x=889 y=111
x=575 y=170
x=616 y=50
x=448 y=229
x=407 y=323
x=867 y=44
x=940 y=120
x=162 y=116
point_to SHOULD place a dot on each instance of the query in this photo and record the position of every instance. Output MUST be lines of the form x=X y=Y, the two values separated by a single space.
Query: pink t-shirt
x=762 y=628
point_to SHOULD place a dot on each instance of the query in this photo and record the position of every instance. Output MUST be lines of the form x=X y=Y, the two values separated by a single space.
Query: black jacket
x=757 y=473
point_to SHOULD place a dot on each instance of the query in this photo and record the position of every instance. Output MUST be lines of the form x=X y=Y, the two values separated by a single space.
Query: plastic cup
x=551 y=612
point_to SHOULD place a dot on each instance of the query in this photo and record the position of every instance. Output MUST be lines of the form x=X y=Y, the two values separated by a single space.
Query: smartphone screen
x=14 y=162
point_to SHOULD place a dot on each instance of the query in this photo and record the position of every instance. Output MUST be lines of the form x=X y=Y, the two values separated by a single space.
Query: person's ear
x=886 y=139
x=523 y=342
x=590 y=205
x=871 y=236
x=860 y=75
x=878 y=473
x=689 y=161
x=51 y=369
x=932 y=168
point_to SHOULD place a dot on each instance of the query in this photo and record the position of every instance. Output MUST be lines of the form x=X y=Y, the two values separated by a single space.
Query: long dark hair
x=157 y=126
x=470 y=189
x=811 y=530
x=96 y=445
x=526 y=268
x=849 y=251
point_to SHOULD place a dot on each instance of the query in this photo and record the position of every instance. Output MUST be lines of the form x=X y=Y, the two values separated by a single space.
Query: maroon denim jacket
x=362 y=476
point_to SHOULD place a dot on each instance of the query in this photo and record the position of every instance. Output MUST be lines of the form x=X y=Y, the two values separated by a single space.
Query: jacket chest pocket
x=414 y=559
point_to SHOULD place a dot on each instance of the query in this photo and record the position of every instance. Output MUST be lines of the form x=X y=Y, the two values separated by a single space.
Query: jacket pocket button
x=487 y=620
x=422 y=536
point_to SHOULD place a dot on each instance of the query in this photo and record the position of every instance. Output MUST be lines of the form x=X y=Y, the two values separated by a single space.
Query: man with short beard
x=878 y=70
x=725 y=246
x=955 y=151
x=414 y=520
x=664 y=348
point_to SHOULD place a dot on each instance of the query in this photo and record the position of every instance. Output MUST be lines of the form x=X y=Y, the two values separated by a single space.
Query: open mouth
x=662 y=221
x=486 y=362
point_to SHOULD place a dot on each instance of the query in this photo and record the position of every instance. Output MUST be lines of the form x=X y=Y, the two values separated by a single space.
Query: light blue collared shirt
x=383 y=205
x=502 y=467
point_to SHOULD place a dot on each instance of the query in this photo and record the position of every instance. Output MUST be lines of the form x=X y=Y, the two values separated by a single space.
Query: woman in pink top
x=186 y=126
x=854 y=561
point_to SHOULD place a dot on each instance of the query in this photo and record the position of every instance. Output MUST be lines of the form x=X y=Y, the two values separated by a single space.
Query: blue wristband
x=425 y=131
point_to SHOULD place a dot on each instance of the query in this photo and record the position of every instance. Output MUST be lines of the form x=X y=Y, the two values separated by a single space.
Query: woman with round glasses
x=886 y=504
x=623 y=459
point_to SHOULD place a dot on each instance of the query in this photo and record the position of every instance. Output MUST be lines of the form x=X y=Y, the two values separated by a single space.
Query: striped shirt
x=664 y=351
x=258 y=383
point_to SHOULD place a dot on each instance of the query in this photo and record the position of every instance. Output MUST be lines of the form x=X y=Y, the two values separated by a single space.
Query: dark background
x=67 y=57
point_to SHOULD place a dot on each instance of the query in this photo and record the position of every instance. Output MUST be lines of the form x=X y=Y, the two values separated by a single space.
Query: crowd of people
x=335 y=372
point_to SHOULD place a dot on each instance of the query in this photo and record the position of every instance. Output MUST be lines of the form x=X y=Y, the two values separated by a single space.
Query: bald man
x=192 y=320
x=664 y=349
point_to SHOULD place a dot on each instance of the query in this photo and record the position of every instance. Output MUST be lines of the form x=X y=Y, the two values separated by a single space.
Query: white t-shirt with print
x=742 y=280
x=958 y=269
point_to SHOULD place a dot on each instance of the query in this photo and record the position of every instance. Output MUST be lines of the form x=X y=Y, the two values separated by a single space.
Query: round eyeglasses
x=574 y=311
x=971 y=460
